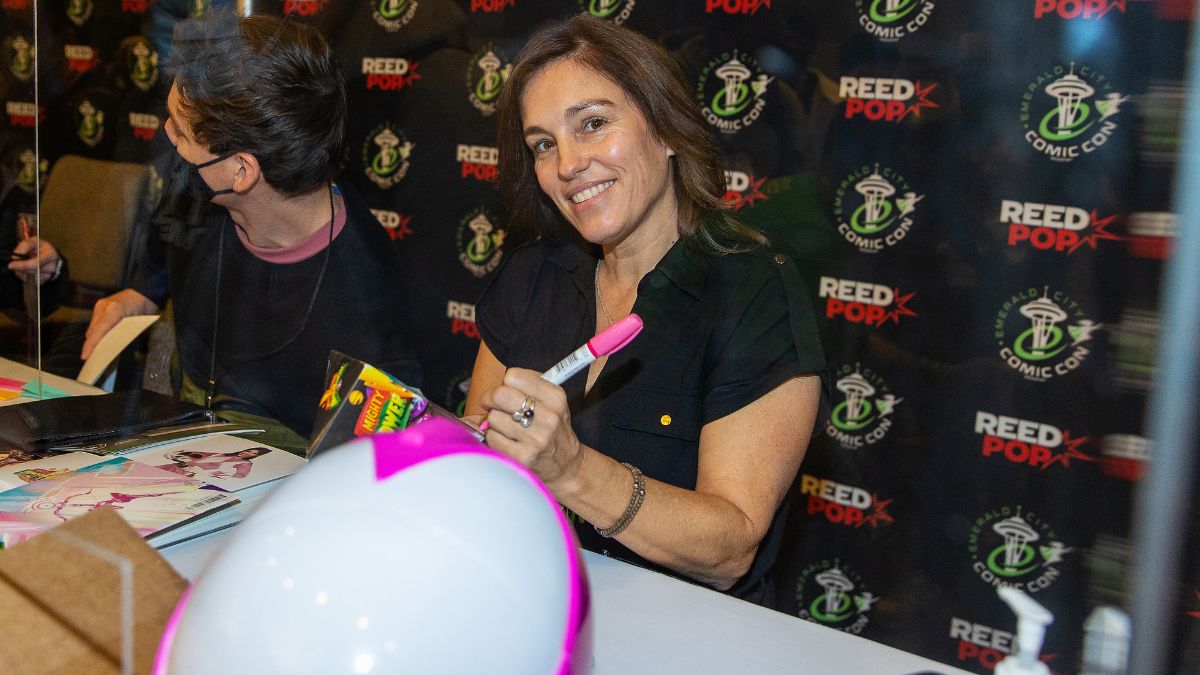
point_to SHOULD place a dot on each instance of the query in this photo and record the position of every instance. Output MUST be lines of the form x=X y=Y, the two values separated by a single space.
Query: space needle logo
x=832 y=594
x=1043 y=334
x=730 y=92
x=486 y=74
x=385 y=155
x=1068 y=112
x=874 y=208
x=1015 y=548
x=392 y=15
x=890 y=20
x=864 y=415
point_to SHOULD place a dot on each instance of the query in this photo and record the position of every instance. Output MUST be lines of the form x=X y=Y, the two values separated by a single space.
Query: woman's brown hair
x=655 y=84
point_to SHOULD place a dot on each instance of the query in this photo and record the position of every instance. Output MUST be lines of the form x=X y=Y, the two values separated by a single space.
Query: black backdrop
x=978 y=192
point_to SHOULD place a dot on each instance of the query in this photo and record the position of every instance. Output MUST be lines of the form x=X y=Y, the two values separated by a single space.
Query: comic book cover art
x=150 y=499
x=15 y=475
x=9 y=455
x=229 y=462
x=361 y=400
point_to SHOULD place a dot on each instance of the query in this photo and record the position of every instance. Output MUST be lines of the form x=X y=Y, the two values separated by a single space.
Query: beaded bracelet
x=635 y=503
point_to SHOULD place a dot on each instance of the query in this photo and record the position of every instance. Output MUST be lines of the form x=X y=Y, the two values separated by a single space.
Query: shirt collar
x=683 y=268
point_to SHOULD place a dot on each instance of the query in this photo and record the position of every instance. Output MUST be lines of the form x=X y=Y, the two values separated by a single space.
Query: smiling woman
x=679 y=450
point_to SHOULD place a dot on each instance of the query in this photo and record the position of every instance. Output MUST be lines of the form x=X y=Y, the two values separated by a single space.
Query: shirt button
x=780 y=259
x=665 y=420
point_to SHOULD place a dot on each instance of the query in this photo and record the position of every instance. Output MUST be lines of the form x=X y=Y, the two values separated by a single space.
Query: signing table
x=646 y=622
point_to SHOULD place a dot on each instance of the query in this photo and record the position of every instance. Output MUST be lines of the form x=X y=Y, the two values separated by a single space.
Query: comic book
x=150 y=499
x=33 y=470
x=229 y=462
x=360 y=400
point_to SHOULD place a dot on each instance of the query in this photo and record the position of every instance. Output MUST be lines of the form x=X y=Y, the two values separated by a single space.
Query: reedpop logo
x=890 y=20
x=743 y=189
x=883 y=204
x=388 y=73
x=1077 y=9
x=864 y=302
x=1012 y=547
x=1033 y=342
x=1053 y=226
x=1022 y=441
x=730 y=91
x=844 y=504
x=885 y=99
x=839 y=598
x=864 y=416
x=1065 y=122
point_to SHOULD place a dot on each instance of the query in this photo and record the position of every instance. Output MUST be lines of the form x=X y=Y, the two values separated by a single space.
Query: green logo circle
x=603 y=8
x=385 y=162
x=865 y=417
x=1052 y=348
x=840 y=613
x=882 y=222
x=1027 y=556
x=894 y=14
x=740 y=101
x=480 y=249
x=390 y=9
x=488 y=86
x=1081 y=124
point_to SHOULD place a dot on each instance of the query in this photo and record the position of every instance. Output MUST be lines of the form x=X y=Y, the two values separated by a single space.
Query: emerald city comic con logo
x=890 y=20
x=833 y=594
x=89 y=123
x=731 y=91
x=79 y=11
x=386 y=154
x=1013 y=547
x=486 y=73
x=874 y=208
x=479 y=242
x=18 y=56
x=617 y=11
x=392 y=15
x=1043 y=334
x=1068 y=111
x=142 y=63
x=864 y=415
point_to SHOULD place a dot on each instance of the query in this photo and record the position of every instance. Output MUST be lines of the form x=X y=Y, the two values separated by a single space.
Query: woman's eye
x=594 y=123
x=540 y=146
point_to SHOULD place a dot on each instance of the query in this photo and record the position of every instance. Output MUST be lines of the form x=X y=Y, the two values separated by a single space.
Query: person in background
x=296 y=265
x=31 y=261
x=678 y=451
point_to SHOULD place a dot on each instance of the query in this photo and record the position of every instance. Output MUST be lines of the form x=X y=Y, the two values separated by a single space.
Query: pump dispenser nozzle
x=1032 y=620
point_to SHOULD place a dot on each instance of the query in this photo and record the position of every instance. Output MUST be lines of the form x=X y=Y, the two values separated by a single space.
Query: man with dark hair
x=296 y=265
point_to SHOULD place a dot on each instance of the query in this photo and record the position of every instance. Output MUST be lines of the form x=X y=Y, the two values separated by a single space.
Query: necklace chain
x=600 y=298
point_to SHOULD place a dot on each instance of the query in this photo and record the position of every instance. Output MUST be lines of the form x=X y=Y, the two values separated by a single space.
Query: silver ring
x=524 y=414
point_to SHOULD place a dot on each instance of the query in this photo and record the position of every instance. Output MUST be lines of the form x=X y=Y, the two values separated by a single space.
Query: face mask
x=195 y=182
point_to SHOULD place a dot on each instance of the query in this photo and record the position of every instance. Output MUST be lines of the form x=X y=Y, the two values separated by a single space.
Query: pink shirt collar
x=314 y=244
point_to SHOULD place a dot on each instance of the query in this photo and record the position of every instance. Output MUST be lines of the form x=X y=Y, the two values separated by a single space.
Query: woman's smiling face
x=594 y=154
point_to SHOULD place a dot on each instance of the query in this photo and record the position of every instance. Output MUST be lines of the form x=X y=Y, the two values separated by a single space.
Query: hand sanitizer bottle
x=1032 y=620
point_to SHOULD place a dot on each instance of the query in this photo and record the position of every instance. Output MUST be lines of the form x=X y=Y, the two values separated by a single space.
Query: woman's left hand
x=546 y=444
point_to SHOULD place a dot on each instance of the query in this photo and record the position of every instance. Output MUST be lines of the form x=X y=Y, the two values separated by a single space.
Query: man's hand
x=109 y=311
x=45 y=268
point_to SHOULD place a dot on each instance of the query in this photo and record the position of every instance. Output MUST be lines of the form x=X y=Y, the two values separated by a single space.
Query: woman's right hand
x=109 y=311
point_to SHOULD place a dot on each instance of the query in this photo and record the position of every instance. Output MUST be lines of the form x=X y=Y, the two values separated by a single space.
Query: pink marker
x=604 y=343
